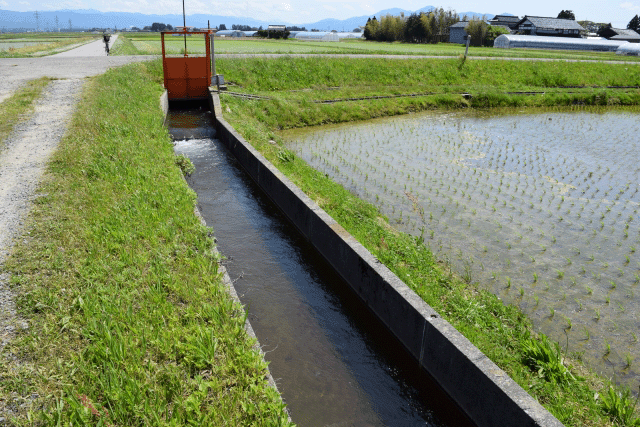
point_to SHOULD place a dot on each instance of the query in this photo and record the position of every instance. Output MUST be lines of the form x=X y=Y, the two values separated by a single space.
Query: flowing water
x=333 y=361
x=542 y=209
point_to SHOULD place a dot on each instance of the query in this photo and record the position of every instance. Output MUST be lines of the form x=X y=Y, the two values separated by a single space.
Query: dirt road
x=28 y=149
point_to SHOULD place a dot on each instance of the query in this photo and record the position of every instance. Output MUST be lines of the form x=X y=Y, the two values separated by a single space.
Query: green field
x=149 y=44
x=558 y=379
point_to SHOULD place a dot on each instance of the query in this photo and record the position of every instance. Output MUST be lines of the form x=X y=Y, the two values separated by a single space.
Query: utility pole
x=37 y=22
x=70 y=25
x=57 y=26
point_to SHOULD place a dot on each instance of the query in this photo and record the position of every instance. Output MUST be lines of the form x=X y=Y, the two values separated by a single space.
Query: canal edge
x=226 y=280
x=480 y=388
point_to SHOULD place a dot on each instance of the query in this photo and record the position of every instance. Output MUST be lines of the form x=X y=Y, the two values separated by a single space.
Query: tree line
x=431 y=27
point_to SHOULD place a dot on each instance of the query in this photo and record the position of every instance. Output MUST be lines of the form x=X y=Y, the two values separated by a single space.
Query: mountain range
x=84 y=19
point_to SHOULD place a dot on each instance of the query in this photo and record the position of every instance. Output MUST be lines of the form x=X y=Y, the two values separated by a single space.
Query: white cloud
x=24 y=3
x=629 y=6
x=4 y=4
x=329 y=8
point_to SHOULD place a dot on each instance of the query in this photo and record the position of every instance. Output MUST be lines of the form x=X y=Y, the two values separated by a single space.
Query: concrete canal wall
x=481 y=389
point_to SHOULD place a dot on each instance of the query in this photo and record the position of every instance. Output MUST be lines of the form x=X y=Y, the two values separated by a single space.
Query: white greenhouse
x=235 y=33
x=507 y=41
x=324 y=36
x=629 y=49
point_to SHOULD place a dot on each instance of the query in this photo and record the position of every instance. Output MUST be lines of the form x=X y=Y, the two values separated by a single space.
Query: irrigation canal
x=334 y=363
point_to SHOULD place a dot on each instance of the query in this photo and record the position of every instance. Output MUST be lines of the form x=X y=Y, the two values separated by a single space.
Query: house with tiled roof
x=508 y=21
x=621 y=34
x=542 y=26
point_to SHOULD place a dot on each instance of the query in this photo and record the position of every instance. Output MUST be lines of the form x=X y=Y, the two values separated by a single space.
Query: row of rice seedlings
x=466 y=191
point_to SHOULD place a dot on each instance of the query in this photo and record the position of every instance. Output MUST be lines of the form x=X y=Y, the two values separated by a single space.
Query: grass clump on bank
x=572 y=393
x=129 y=321
x=19 y=106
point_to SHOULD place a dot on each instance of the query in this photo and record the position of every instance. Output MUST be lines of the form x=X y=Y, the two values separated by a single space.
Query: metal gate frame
x=187 y=78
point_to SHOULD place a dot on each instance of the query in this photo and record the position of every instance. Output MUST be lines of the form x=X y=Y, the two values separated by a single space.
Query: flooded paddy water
x=541 y=209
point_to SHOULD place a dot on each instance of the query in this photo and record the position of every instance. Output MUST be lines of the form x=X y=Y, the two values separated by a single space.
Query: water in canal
x=333 y=361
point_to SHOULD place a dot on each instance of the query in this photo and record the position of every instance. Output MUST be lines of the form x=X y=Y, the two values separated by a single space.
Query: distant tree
x=370 y=29
x=493 y=33
x=567 y=14
x=634 y=24
x=356 y=30
x=158 y=26
x=146 y=28
x=477 y=29
x=294 y=28
x=222 y=27
x=240 y=27
x=414 y=31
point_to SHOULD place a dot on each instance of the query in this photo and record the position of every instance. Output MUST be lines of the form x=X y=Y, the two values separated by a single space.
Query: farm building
x=507 y=41
x=457 y=32
x=621 y=34
x=505 y=21
x=554 y=27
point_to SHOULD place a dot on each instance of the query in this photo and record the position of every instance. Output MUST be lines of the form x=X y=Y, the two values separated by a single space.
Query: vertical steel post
x=184 y=22
x=210 y=46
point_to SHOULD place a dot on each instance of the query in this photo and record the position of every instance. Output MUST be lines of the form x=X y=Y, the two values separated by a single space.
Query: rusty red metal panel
x=187 y=77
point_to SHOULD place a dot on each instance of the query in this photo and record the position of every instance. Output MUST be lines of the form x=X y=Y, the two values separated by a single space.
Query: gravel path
x=26 y=152
x=15 y=72
x=22 y=164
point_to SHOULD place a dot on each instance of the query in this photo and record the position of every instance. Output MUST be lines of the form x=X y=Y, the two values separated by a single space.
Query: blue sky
x=618 y=12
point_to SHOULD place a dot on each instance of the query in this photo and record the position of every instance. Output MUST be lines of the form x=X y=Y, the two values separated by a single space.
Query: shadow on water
x=335 y=364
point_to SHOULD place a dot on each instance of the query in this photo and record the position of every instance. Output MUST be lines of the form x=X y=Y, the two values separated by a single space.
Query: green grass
x=130 y=323
x=19 y=106
x=149 y=44
x=294 y=83
x=503 y=333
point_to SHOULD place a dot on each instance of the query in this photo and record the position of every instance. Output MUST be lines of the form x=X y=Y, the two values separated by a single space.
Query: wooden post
x=467 y=49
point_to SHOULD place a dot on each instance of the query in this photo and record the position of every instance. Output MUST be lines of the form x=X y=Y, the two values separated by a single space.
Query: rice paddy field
x=542 y=209
x=149 y=44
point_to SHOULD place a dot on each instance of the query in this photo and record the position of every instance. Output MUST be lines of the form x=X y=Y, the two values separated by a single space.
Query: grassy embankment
x=19 y=106
x=47 y=43
x=129 y=322
x=503 y=333
x=149 y=44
